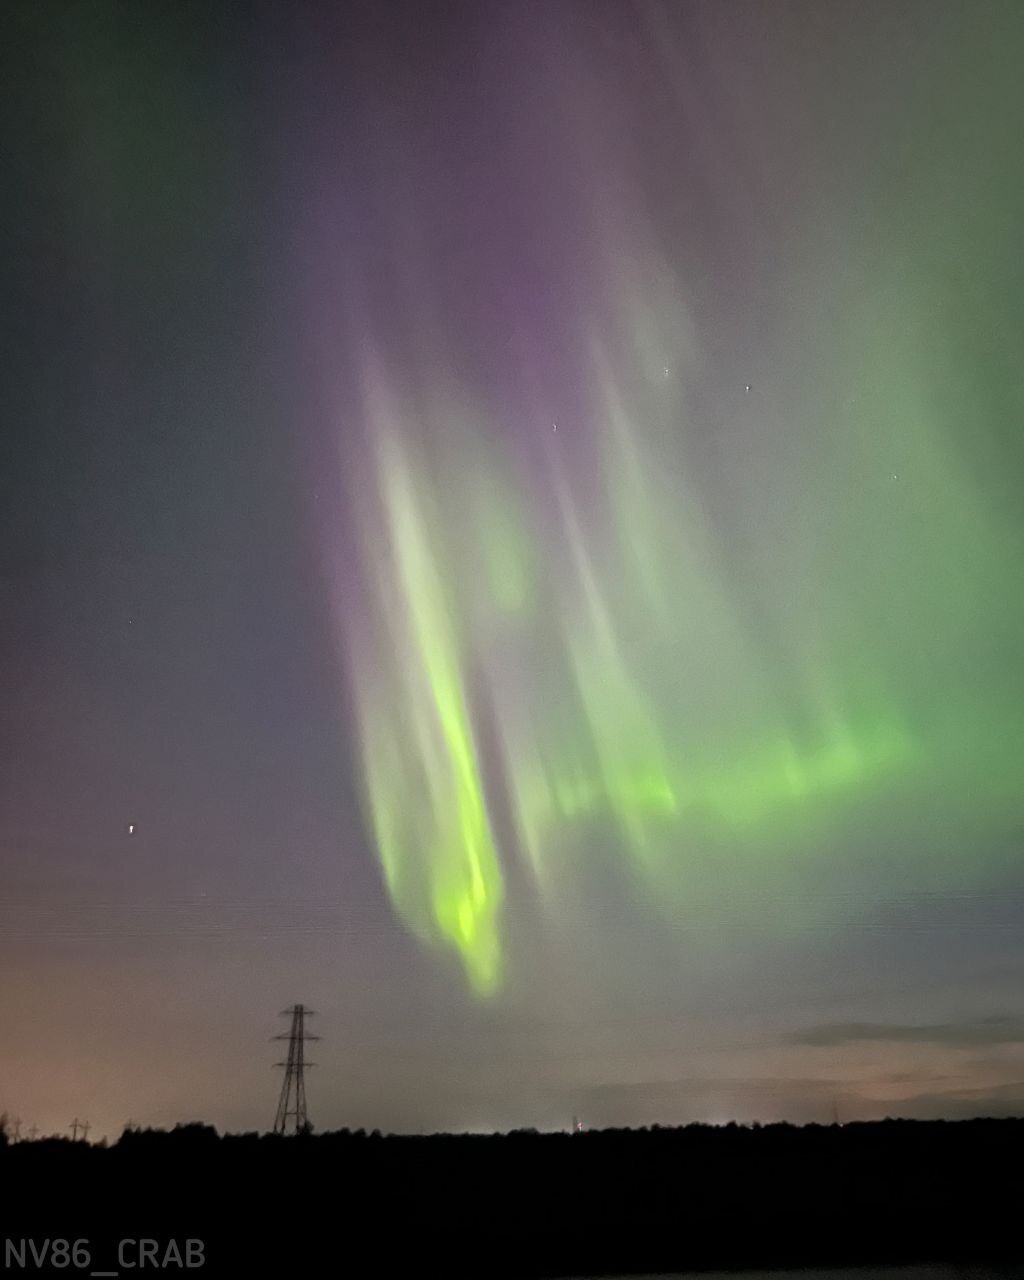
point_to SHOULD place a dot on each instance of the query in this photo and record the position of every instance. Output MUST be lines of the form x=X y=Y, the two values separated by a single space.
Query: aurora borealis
x=514 y=542
x=691 y=663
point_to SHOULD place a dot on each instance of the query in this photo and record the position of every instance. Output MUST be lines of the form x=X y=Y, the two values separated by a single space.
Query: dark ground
x=527 y=1204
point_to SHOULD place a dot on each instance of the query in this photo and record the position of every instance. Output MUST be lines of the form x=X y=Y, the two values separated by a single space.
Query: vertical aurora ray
x=581 y=624
x=423 y=778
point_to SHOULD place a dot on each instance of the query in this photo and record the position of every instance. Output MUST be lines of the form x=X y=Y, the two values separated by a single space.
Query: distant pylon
x=291 y=1107
x=77 y=1125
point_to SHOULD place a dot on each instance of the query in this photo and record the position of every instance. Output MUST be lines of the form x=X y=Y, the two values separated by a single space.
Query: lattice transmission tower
x=291 y=1107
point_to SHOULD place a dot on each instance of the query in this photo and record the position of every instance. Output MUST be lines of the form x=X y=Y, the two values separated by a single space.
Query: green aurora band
x=602 y=722
x=567 y=656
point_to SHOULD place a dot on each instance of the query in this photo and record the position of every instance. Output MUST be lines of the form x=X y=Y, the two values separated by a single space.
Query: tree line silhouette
x=525 y=1203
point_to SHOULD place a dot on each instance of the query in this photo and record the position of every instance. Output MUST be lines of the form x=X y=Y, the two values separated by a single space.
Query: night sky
x=511 y=526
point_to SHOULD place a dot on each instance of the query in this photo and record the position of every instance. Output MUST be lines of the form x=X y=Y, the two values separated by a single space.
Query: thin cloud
x=964 y=1104
x=999 y=1029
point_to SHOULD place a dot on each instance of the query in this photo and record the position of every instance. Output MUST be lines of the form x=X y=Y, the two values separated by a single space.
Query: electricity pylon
x=291 y=1107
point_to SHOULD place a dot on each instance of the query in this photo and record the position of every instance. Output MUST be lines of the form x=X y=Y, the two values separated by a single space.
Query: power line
x=291 y=1107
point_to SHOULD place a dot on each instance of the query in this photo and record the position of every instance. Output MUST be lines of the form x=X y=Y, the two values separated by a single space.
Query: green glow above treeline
x=576 y=635
x=589 y=670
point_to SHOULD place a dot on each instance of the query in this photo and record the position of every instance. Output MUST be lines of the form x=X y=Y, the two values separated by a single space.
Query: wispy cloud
x=963 y=1104
x=997 y=1029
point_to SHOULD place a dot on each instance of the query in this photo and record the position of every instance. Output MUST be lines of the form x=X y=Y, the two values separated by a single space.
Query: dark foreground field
x=610 y=1202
